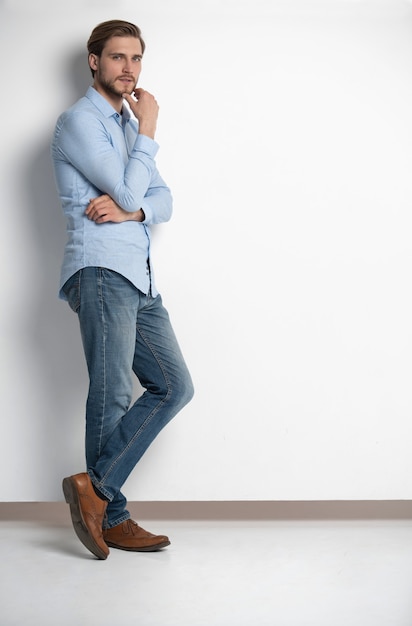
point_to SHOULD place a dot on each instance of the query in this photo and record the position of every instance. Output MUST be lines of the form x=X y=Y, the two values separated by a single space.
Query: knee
x=183 y=392
x=189 y=392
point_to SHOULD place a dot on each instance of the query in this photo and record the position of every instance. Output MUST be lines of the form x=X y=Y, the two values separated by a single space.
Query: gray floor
x=215 y=573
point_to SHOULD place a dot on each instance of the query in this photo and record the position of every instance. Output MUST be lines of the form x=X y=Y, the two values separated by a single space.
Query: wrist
x=140 y=216
x=147 y=129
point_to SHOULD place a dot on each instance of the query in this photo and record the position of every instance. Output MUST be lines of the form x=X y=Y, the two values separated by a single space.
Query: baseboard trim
x=57 y=512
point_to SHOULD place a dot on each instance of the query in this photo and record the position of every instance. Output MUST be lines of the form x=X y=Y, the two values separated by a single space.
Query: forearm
x=93 y=155
x=158 y=202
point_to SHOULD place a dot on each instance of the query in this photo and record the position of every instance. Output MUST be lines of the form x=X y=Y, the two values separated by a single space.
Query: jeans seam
x=148 y=419
x=78 y=280
x=101 y=297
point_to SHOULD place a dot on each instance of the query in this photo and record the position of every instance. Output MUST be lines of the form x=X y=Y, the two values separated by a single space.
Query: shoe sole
x=80 y=528
x=154 y=548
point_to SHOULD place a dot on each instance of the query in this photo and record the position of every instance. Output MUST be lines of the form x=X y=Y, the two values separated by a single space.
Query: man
x=111 y=193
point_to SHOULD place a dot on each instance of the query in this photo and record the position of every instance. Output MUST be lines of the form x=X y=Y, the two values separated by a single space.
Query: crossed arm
x=104 y=209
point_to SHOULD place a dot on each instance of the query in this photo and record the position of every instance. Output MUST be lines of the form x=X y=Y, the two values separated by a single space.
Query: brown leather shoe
x=130 y=536
x=87 y=511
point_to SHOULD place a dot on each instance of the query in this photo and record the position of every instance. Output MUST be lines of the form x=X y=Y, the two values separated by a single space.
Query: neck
x=113 y=99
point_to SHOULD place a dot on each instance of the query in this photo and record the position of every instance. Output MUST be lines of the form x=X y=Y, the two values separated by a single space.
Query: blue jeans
x=124 y=331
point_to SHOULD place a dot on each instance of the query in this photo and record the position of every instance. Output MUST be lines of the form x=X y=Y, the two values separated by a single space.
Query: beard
x=110 y=87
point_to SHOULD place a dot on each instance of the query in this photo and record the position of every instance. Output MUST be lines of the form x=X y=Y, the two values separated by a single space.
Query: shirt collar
x=104 y=107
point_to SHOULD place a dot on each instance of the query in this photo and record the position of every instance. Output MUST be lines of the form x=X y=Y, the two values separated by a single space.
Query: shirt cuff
x=148 y=213
x=147 y=145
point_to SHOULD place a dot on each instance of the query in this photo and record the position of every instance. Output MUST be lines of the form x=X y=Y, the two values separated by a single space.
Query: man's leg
x=107 y=306
x=122 y=329
x=160 y=368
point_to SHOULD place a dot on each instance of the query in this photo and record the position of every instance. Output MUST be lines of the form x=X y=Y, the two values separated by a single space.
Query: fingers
x=128 y=98
x=104 y=209
x=138 y=92
x=146 y=109
x=97 y=208
x=141 y=98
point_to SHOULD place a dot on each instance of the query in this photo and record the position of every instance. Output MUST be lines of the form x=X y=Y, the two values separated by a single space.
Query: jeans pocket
x=71 y=290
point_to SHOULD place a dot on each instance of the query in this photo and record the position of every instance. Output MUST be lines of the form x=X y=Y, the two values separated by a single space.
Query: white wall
x=286 y=136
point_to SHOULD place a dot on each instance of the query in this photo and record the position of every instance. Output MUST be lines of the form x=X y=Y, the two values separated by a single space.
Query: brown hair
x=113 y=28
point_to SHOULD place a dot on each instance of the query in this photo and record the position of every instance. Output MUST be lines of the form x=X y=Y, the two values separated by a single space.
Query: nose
x=127 y=66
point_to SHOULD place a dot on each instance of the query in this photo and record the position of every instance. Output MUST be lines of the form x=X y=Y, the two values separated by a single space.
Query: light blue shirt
x=96 y=151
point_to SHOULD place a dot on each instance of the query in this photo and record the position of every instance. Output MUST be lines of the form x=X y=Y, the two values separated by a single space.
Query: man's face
x=117 y=69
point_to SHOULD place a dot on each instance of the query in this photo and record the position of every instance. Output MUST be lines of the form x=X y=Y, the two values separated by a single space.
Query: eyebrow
x=122 y=54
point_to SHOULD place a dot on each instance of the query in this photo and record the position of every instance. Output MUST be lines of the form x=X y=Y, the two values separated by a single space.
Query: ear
x=93 y=61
